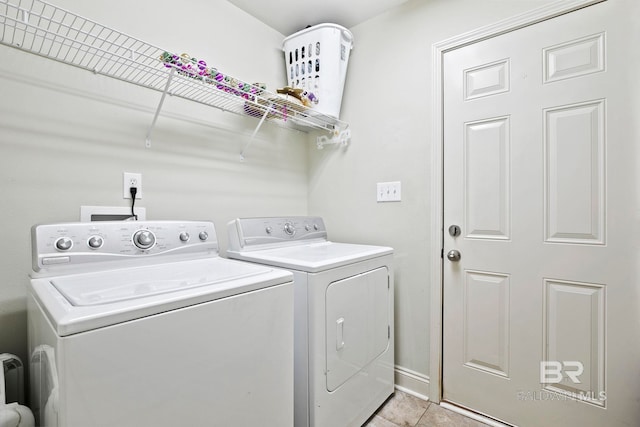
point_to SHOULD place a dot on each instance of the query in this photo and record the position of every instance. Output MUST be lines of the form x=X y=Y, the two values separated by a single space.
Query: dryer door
x=357 y=324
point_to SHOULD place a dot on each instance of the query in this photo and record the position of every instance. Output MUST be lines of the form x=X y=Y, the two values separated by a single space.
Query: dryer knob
x=64 y=244
x=269 y=229
x=203 y=235
x=144 y=239
x=184 y=236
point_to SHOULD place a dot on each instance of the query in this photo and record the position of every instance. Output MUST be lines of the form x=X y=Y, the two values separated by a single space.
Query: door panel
x=575 y=173
x=486 y=179
x=540 y=172
x=574 y=58
x=486 y=79
x=357 y=324
x=574 y=327
x=486 y=322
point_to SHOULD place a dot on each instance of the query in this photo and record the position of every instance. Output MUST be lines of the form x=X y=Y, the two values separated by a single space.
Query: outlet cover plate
x=129 y=180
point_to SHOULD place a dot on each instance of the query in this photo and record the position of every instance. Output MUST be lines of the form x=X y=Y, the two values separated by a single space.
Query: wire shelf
x=49 y=31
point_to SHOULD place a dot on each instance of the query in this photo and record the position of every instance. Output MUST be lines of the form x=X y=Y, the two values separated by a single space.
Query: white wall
x=66 y=136
x=387 y=102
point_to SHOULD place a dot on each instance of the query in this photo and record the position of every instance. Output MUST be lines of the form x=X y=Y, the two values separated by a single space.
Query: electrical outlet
x=131 y=180
x=389 y=191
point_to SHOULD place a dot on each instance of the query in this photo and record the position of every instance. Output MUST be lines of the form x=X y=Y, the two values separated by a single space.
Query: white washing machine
x=142 y=324
x=343 y=333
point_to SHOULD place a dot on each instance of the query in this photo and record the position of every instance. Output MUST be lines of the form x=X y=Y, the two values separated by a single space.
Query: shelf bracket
x=155 y=117
x=255 y=131
x=25 y=15
x=341 y=137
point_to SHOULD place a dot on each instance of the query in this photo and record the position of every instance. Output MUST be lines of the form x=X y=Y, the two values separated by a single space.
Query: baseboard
x=411 y=382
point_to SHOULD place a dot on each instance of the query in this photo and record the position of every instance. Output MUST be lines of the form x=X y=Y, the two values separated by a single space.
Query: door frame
x=438 y=50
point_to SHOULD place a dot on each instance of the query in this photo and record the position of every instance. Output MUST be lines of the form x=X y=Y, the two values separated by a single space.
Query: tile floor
x=405 y=410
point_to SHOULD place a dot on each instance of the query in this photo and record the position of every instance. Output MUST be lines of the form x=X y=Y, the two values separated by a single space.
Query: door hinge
x=442 y=253
x=389 y=331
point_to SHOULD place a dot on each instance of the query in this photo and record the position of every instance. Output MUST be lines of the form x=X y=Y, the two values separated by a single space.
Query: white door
x=357 y=324
x=541 y=156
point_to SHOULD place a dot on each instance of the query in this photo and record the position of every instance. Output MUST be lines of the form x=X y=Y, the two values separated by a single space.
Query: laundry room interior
x=67 y=136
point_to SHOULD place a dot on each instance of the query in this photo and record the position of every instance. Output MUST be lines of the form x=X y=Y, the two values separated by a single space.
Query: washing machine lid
x=120 y=285
x=81 y=302
x=313 y=257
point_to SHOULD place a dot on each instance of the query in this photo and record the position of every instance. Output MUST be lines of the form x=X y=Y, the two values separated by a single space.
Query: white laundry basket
x=317 y=59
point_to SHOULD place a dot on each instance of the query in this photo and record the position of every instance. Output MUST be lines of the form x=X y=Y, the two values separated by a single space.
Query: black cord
x=133 y=191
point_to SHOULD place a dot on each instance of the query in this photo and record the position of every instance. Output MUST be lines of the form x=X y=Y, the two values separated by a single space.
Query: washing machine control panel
x=265 y=231
x=82 y=243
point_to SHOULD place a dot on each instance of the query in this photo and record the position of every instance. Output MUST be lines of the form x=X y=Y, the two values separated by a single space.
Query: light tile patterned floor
x=404 y=410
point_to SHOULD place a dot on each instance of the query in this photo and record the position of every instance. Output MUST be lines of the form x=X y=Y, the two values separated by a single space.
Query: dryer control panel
x=63 y=246
x=245 y=233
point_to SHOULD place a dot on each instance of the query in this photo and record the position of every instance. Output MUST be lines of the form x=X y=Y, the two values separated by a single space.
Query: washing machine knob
x=203 y=235
x=64 y=244
x=269 y=229
x=307 y=227
x=184 y=236
x=144 y=239
x=315 y=227
x=95 y=242
x=289 y=229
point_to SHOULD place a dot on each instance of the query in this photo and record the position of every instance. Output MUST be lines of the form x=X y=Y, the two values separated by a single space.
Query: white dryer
x=142 y=324
x=343 y=333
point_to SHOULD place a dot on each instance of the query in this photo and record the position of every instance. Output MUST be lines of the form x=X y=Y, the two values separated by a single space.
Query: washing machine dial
x=289 y=228
x=64 y=244
x=95 y=242
x=184 y=236
x=144 y=239
x=269 y=229
x=203 y=235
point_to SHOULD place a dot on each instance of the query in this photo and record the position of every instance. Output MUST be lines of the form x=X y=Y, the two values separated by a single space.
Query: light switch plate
x=389 y=191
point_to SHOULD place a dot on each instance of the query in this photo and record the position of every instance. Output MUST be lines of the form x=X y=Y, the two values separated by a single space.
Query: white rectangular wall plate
x=129 y=180
x=389 y=191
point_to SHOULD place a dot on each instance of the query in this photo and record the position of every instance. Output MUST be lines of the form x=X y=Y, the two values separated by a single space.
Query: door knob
x=454 y=255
